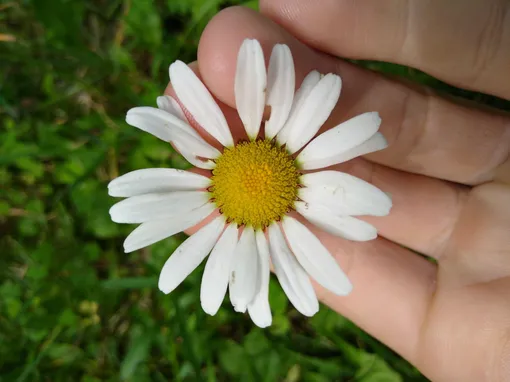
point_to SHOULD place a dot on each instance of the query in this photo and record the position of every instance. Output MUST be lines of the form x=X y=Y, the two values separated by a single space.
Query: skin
x=447 y=166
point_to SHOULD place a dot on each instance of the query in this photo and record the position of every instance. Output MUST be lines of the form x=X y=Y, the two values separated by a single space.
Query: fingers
x=464 y=42
x=427 y=134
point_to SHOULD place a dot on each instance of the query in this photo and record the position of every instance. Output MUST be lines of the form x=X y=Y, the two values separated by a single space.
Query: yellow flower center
x=254 y=183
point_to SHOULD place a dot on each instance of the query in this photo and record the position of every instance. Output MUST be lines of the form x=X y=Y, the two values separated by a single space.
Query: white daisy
x=253 y=185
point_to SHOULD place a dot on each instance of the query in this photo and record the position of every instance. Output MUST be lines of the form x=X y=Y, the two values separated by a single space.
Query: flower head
x=254 y=184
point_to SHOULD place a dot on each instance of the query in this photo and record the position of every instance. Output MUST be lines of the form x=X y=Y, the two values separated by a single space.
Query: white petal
x=189 y=255
x=304 y=90
x=168 y=127
x=291 y=275
x=314 y=112
x=281 y=82
x=171 y=106
x=199 y=102
x=344 y=194
x=244 y=279
x=155 y=230
x=315 y=258
x=375 y=143
x=189 y=152
x=143 y=208
x=259 y=309
x=151 y=122
x=217 y=270
x=158 y=122
x=341 y=138
x=250 y=86
x=152 y=180
x=347 y=227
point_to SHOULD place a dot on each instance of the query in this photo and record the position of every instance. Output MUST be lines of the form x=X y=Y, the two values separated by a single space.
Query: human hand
x=447 y=167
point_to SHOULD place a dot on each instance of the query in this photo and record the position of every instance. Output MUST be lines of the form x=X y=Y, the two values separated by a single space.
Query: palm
x=466 y=327
x=447 y=168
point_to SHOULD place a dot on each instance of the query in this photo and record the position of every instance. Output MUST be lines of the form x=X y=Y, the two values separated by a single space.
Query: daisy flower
x=253 y=185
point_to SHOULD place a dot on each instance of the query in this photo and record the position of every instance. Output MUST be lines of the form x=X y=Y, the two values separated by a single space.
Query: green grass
x=73 y=306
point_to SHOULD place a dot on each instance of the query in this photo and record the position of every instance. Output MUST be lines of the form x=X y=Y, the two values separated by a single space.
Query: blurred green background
x=73 y=306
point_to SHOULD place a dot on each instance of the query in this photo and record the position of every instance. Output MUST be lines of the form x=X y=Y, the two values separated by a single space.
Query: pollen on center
x=254 y=183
